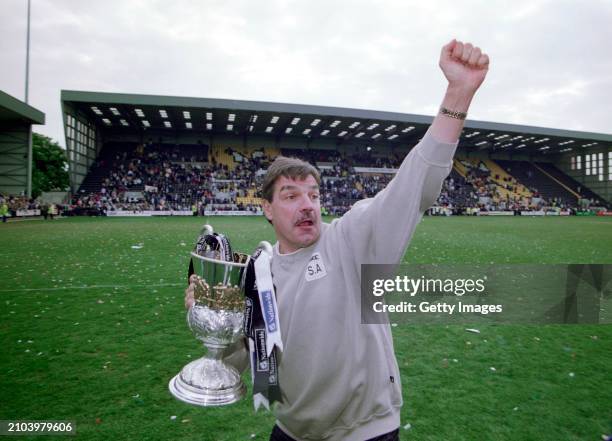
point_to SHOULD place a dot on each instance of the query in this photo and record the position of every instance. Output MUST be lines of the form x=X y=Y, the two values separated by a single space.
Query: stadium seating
x=221 y=156
x=459 y=167
x=541 y=183
x=566 y=181
x=161 y=177
x=506 y=181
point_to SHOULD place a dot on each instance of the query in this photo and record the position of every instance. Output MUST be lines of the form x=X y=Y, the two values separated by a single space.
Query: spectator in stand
x=4 y=210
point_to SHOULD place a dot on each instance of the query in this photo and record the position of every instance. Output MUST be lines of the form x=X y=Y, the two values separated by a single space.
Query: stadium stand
x=161 y=177
x=356 y=151
x=459 y=167
x=155 y=177
x=566 y=181
x=541 y=183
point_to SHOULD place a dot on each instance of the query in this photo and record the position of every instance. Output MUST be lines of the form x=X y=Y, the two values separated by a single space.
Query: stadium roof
x=13 y=110
x=128 y=112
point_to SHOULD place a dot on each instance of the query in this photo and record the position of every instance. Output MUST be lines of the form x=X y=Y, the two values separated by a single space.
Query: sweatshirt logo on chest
x=315 y=268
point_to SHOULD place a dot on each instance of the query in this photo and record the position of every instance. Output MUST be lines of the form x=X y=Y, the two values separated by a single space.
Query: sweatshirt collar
x=300 y=253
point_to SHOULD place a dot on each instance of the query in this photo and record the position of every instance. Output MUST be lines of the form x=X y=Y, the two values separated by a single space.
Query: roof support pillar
x=30 y=160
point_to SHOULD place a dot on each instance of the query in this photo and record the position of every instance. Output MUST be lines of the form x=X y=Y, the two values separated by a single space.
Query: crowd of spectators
x=153 y=179
x=479 y=191
x=157 y=178
x=15 y=206
x=15 y=203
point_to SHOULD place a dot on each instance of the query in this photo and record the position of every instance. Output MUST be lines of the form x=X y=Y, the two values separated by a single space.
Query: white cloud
x=550 y=63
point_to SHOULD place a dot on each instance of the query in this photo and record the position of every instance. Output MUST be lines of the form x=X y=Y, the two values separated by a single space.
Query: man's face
x=295 y=212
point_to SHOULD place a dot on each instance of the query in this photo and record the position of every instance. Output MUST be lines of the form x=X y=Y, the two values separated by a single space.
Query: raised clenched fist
x=464 y=65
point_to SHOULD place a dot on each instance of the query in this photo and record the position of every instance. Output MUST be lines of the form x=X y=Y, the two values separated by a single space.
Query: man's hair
x=292 y=168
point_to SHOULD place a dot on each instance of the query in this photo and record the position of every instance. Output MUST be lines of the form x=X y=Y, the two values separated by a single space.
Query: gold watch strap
x=452 y=113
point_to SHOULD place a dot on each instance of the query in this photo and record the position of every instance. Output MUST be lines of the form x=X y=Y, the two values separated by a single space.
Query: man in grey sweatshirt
x=339 y=379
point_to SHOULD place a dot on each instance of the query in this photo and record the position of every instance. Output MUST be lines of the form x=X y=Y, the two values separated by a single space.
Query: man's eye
x=315 y=196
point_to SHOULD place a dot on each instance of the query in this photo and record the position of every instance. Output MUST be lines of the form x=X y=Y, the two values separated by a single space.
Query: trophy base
x=207 y=382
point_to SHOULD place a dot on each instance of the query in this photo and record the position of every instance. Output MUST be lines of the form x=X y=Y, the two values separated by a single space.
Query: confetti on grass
x=131 y=298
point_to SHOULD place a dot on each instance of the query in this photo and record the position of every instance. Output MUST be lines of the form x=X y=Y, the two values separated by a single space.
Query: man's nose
x=306 y=203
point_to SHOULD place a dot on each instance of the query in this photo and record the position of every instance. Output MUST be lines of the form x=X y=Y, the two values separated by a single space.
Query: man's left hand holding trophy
x=215 y=303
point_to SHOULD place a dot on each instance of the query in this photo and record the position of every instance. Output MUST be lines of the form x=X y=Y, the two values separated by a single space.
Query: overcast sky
x=551 y=61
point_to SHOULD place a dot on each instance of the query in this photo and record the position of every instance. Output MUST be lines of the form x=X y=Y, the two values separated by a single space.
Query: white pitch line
x=92 y=287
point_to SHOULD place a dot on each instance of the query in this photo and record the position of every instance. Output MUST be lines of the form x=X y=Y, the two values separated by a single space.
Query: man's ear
x=267 y=208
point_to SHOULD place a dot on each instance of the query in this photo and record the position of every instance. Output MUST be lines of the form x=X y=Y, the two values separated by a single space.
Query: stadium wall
x=83 y=143
x=16 y=120
x=15 y=179
x=54 y=197
x=592 y=181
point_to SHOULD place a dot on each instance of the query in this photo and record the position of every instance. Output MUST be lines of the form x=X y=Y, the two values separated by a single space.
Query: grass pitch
x=93 y=326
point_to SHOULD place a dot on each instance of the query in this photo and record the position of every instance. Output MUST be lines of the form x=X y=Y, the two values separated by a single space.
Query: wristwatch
x=452 y=113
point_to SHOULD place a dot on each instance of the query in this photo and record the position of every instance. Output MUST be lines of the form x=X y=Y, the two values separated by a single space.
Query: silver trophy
x=216 y=320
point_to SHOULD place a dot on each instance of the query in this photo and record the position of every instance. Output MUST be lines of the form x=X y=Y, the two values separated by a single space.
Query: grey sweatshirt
x=339 y=378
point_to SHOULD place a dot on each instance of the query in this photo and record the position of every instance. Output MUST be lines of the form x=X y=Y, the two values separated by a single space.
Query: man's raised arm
x=465 y=67
x=378 y=230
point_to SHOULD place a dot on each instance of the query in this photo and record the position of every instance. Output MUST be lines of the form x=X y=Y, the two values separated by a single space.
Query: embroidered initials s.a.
x=315 y=268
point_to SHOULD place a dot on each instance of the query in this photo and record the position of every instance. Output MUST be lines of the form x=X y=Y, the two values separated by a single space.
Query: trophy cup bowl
x=216 y=319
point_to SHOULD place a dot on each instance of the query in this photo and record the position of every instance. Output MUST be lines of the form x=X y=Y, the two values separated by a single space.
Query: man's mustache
x=308 y=217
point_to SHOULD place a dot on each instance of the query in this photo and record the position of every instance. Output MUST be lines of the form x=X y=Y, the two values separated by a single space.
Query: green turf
x=92 y=330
